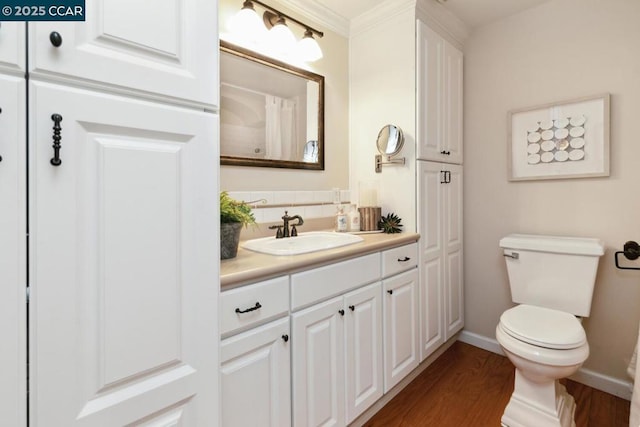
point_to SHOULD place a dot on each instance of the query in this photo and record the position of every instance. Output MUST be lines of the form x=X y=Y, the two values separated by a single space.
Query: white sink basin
x=303 y=243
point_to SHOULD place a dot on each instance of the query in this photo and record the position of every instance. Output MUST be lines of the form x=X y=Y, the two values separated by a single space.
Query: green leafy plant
x=232 y=211
x=390 y=223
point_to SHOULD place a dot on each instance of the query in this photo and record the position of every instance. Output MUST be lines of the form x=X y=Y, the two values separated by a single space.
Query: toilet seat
x=543 y=327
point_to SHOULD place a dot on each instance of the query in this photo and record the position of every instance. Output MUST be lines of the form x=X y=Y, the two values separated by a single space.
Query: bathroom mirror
x=390 y=140
x=271 y=113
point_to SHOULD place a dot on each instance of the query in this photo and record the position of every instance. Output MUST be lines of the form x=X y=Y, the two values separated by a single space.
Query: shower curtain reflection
x=280 y=128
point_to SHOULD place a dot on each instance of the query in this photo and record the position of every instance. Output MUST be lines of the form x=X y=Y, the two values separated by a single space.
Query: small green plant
x=232 y=211
x=390 y=223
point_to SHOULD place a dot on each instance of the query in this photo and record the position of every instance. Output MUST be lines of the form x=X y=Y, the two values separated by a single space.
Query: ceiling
x=474 y=13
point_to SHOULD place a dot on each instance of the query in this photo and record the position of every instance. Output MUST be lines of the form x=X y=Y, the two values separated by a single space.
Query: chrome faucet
x=283 y=230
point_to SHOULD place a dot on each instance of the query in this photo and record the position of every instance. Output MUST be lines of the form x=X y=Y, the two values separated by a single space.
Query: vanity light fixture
x=248 y=23
x=281 y=40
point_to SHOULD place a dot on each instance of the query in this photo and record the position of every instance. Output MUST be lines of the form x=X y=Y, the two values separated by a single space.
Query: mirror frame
x=282 y=66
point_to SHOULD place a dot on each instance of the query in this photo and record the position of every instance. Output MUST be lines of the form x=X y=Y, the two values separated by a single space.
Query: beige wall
x=334 y=67
x=383 y=91
x=563 y=49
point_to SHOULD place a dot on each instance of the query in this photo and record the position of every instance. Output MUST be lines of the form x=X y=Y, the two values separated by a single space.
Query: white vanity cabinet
x=335 y=379
x=255 y=375
x=364 y=352
x=401 y=314
x=439 y=102
x=440 y=225
x=255 y=369
x=318 y=393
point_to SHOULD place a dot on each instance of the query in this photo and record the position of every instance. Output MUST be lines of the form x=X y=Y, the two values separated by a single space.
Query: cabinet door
x=401 y=326
x=160 y=47
x=363 y=349
x=318 y=365
x=123 y=262
x=430 y=219
x=454 y=284
x=256 y=377
x=439 y=103
x=13 y=252
x=452 y=86
x=430 y=105
x=12 y=47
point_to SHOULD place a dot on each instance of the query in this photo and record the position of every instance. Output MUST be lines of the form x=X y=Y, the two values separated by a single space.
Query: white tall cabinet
x=122 y=223
x=439 y=187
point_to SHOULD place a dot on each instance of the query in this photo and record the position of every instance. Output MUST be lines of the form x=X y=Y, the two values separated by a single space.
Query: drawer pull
x=390 y=291
x=341 y=312
x=285 y=338
x=255 y=307
x=352 y=307
x=405 y=259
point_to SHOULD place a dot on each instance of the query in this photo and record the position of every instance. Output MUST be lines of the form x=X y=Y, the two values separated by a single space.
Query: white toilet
x=552 y=279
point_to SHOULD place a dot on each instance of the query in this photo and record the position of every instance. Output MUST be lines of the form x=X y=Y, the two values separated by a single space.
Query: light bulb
x=308 y=48
x=247 y=25
x=281 y=39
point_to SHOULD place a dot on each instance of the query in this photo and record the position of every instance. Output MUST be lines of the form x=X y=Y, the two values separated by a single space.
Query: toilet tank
x=552 y=271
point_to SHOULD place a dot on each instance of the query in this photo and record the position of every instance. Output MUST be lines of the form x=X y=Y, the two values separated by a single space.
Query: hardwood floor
x=470 y=387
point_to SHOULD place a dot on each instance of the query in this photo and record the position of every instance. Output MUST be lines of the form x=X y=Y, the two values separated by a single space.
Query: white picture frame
x=560 y=140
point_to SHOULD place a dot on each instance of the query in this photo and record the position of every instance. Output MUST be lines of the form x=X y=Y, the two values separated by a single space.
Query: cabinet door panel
x=454 y=283
x=318 y=365
x=255 y=377
x=13 y=251
x=12 y=47
x=430 y=103
x=123 y=234
x=165 y=47
x=363 y=349
x=453 y=101
x=401 y=325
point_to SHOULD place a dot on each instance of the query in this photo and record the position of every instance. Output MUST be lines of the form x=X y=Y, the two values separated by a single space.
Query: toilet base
x=539 y=405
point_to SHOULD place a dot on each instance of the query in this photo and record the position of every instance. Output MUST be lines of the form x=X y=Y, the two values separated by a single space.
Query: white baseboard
x=611 y=385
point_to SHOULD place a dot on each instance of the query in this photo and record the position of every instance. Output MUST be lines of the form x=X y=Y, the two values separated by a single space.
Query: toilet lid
x=543 y=327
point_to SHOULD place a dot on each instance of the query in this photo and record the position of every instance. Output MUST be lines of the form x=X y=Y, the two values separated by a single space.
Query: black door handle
x=255 y=307
x=57 y=129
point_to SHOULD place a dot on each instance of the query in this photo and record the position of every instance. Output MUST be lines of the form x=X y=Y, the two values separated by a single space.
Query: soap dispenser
x=341 y=220
x=354 y=219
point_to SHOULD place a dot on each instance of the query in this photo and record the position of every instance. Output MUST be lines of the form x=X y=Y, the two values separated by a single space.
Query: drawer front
x=321 y=283
x=251 y=305
x=399 y=259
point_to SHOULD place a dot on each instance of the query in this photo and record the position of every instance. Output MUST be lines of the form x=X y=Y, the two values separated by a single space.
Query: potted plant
x=233 y=216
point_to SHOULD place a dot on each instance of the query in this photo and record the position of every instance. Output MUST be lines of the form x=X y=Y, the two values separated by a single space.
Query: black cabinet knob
x=55 y=38
x=341 y=312
x=352 y=307
x=390 y=291
x=285 y=338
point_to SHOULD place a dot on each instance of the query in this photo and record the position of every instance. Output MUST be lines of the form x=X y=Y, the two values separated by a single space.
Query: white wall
x=383 y=91
x=335 y=68
x=561 y=50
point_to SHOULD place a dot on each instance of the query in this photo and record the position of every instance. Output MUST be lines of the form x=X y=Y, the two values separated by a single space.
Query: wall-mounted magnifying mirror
x=390 y=141
x=271 y=113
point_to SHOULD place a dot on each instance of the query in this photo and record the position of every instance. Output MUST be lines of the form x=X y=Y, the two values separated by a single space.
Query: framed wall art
x=568 y=139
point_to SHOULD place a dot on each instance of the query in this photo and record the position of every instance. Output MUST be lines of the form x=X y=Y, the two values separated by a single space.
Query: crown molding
x=317 y=12
x=380 y=14
x=441 y=20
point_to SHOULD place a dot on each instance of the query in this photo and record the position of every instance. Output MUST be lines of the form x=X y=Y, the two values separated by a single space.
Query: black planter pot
x=229 y=239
